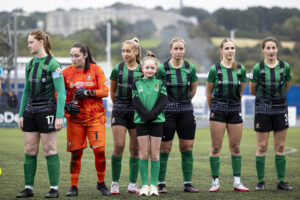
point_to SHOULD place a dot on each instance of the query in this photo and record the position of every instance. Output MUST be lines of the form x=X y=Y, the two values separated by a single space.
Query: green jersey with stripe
x=148 y=91
x=124 y=78
x=178 y=81
x=226 y=89
x=41 y=83
x=271 y=88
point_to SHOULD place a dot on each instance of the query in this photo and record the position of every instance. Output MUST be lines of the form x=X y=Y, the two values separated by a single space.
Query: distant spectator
x=12 y=100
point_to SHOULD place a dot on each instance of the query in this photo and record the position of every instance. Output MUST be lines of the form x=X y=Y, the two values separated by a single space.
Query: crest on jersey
x=140 y=88
x=156 y=87
x=88 y=77
x=257 y=125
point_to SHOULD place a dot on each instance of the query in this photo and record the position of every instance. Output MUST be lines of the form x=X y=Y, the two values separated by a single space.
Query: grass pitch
x=12 y=176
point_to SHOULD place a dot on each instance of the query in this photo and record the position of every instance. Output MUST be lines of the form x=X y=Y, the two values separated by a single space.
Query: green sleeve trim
x=59 y=86
x=25 y=97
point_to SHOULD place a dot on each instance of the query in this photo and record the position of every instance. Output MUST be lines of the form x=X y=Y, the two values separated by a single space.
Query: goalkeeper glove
x=82 y=93
x=72 y=108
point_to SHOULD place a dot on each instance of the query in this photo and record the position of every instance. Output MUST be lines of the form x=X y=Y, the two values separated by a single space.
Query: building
x=68 y=22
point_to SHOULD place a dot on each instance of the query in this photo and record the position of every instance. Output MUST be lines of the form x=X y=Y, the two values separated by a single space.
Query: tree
x=201 y=14
x=291 y=27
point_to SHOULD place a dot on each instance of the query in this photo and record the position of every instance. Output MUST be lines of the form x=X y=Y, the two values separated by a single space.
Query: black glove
x=82 y=93
x=72 y=108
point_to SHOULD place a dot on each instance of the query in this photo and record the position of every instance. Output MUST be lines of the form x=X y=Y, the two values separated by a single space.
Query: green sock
x=155 y=165
x=214 y=166
x=236 y=163
x=30 y=163
x=116 y=166
x=280 y=163
x=133 y=169
x=53 y=165
x=144 y=171
x=187 y=162
x=260 y=168
x=163 y=167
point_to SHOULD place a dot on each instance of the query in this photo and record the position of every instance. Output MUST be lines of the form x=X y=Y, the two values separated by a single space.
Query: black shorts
x=183 y=123
x=266 y=123
x=151 y=129
x=226 y=117
x=123 y=119
x=42 y=122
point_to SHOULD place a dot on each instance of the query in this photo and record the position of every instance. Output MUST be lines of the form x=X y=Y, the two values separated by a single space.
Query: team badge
x=156 y=87
x=88 y=77
x=257 y=125
x=140 y=88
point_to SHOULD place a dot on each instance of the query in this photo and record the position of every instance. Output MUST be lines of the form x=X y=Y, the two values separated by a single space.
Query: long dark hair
x=41 y=35
x=84 y=49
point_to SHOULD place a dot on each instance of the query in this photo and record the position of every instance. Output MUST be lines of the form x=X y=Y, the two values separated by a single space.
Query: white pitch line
x=290 y=151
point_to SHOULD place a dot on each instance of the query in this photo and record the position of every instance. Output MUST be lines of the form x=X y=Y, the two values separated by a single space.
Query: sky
x=209 y=5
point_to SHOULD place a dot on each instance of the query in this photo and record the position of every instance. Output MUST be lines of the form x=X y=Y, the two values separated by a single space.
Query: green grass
x=145 y=43
x=12 y=178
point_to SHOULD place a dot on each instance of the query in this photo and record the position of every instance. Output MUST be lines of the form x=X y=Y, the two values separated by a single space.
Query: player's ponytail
x=150 y=56
x=135 y=42
x=85 y=50
x=41 y=35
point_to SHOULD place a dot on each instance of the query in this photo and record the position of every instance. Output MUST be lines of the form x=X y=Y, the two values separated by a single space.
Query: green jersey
x=178 y=81
x=269 y=84
x=148 y=90
x=124 y=78
x=41 y=83
x=226 y=82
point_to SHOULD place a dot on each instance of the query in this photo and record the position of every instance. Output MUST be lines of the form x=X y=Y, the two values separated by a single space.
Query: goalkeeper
x=84 y=82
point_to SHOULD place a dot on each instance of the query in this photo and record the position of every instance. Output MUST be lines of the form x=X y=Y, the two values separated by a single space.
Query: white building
x=68 y=22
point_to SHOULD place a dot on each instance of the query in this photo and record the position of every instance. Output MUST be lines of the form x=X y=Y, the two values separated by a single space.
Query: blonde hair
x=135 y=42
x=176 y=39
x=234 y=64
x=41 y=35
x=150 y=56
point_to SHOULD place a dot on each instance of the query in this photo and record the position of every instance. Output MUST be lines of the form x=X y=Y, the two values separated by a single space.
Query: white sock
x=187 y=182
x=237 y=179
x=161 y=182
x=216 y=181
x=29 y=187
x=54 y=187
x=131 y=184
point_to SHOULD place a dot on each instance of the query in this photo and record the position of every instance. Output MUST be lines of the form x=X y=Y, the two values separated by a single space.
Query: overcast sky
x=209 y=5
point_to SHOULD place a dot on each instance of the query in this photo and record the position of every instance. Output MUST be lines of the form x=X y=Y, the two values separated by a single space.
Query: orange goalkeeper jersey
x=91 y=109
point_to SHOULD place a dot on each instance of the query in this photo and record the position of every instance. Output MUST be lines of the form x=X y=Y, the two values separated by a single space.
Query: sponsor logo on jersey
x=83 y=84
x=140 y=88
x=156 y=87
